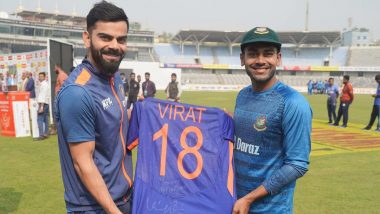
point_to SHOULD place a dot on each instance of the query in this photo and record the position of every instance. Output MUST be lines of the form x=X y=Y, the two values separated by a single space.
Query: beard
x=107 y=67
x=261 y=79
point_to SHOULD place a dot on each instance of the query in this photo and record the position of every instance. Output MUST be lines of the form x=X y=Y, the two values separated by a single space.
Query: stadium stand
x=364 y=56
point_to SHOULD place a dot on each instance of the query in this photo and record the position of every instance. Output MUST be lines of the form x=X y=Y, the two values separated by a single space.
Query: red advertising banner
x=7 y=123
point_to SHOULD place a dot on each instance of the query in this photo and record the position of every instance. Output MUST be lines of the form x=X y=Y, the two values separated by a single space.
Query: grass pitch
x=339 y=182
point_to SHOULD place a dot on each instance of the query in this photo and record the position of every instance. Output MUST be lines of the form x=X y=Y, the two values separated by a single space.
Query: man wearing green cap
x=272 y=130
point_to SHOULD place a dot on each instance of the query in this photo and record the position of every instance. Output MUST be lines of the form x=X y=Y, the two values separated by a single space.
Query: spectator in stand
x=173 y=90
x=134 y=88
x=148 y=87
x=332 y=91
x=376 y=107
x=345 y=101
x=30 y=85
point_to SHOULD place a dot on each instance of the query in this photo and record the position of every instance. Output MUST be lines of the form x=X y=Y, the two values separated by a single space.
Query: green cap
x=260 y=34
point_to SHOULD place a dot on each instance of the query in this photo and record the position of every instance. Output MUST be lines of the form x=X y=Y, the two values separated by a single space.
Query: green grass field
x=30 y=176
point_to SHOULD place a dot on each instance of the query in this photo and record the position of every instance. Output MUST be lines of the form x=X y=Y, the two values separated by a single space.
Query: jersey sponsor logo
x=260 y=124
x=106 y=103
x=246 y=147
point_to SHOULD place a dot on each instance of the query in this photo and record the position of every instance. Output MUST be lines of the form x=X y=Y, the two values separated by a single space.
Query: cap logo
x=261 y=30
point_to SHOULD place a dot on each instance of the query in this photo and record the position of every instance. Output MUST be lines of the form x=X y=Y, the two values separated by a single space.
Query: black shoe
x=377 y=130
x=343 y=126
x=335 y=124
x=367 y=128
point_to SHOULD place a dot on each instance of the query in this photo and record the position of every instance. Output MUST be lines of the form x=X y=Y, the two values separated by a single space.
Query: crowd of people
x=317 y=87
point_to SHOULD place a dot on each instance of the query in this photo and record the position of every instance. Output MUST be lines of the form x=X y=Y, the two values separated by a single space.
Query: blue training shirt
x=332 y=93
x=377 y=99
x=92 y=107
x=272 y=144
x=184 y=163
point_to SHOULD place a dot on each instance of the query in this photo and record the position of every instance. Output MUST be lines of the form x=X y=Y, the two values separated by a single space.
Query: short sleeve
x=297 y=130
x=134 y=124
x=76 y=114
x=228 y=127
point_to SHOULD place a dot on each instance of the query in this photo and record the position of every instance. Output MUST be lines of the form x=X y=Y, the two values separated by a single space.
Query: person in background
x=173 y=90
x=310 y=87
x=346 y=99
x=61 y=77
x=30 y=85
x=24 y=79
x=332 y=91
x=140 y=94
x=376 y=107
x=134 y=88
x=148 y=87
x=43 y=106
x=2 y=83
x=125 y=85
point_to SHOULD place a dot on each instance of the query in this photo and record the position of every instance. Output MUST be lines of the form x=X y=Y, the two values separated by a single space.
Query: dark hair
x=346 y=77
x=122 y=74
x=147 y=73
x=377 y=77
x=132 y=74
x=107 y=12
x=174 y=75
x=42 y=73
x=331 y=78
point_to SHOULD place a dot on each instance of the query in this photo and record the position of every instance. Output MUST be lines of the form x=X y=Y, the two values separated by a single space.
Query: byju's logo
x=107 y=103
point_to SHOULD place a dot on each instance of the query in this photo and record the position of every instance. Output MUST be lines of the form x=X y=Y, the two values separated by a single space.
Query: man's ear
x=279 y=59
x=86 y=36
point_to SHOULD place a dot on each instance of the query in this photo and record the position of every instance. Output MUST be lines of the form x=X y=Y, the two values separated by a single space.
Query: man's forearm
x=91 y=178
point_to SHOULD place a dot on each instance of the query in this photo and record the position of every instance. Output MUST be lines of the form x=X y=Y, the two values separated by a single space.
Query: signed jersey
x=184 y=162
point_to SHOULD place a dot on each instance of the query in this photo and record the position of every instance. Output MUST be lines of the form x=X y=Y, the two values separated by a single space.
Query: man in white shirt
x=43 y=106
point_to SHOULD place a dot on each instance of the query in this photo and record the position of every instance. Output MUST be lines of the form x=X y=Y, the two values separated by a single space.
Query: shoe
x=330 y=122
x=377 y=130
x=334 y=124
x=367 y=128
x=343 y=126
x=39 y=138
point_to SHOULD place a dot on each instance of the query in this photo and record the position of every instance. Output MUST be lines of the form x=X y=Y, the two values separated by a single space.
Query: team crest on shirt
x=260 y=124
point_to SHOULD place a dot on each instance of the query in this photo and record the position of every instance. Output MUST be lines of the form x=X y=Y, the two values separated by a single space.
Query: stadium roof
x=28 y=14
x=230 y=37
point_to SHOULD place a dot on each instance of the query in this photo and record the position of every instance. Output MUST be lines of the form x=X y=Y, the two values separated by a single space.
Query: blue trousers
x=42 y=120
x=331 y=107
x=375 y=114
x=343 y=111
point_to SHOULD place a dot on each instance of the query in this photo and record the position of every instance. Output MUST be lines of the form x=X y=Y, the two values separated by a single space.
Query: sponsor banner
x=21 y=118
x=296 y=68
x=173 y=65
x=324 y=68
x=203 y=87
x=343 y=68
x=7 y=127
x=33 y=115
x=216 y=66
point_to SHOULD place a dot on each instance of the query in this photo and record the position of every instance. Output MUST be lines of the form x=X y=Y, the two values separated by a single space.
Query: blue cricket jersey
x=272 y=130
x=92 y=107
x=377 y=99
x=184 y=162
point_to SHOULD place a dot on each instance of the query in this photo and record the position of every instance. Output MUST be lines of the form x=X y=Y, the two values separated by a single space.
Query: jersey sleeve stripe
x=230 y=179
x=83 y=77
x=133 y=144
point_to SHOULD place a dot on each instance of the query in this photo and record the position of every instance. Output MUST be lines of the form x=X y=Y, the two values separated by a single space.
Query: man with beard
x=92 y=120
x=272 y=130
x=134 y=88
x=173 y=90
x=148 y=87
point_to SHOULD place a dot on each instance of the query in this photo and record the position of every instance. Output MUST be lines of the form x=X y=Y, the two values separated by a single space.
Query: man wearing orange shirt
x=345 y=100
x=61 y=77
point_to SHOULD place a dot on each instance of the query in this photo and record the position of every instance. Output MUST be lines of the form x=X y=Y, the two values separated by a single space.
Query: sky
x=228 y=15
